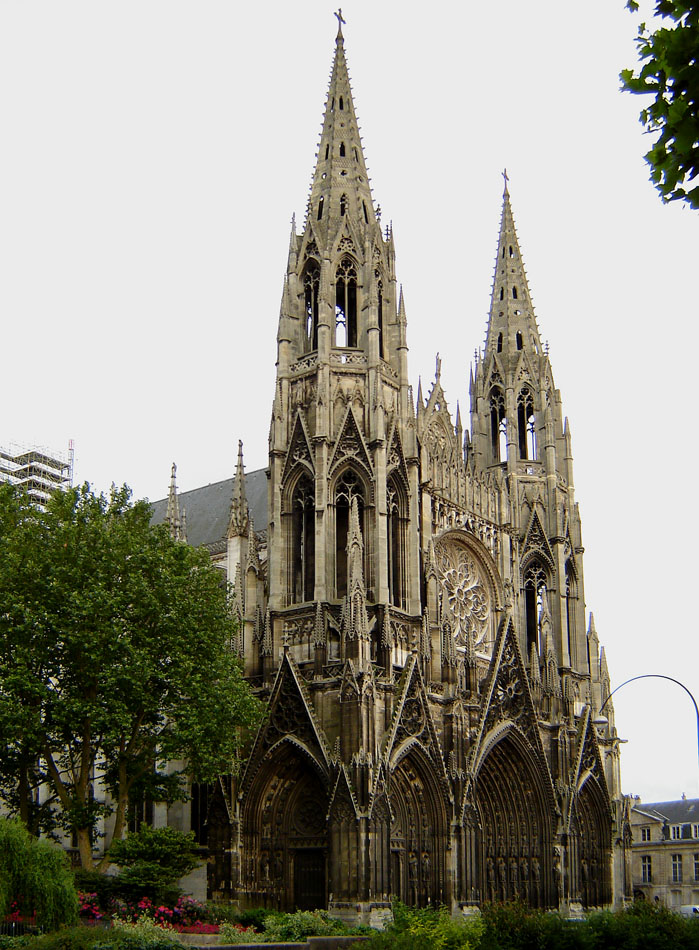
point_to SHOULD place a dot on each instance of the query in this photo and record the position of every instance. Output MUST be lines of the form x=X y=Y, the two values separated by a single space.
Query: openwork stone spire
x=340 y=184
x=512 y=324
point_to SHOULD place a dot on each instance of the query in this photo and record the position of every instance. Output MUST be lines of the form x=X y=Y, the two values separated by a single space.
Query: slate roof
x=684 y=811
x=209 y=508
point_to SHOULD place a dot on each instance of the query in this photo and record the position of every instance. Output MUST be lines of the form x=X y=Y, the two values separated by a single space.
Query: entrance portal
x=309 y=879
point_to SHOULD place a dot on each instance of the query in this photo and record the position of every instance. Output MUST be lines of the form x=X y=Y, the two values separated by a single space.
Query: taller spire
x=340 y=185
x=512 y=324
x=172 y=516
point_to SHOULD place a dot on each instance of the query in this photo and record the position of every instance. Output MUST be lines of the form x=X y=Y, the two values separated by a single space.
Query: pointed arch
x=514 y=851
x=535 y=585
x=348 y=484
x=419 y=831
x=302 y=541
x=397 y=522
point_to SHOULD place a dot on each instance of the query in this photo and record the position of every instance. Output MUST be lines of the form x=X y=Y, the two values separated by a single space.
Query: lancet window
x=570 y=610
x=303 y=541
x=379 y=290
x=346 y=303
x=396 y=521
x=311 y=286
x=348 y=487
x=498 y=425
x=526 y=425
x=535 y=584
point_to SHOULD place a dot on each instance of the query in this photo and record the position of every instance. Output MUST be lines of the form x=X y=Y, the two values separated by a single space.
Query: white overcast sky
x=152 y=153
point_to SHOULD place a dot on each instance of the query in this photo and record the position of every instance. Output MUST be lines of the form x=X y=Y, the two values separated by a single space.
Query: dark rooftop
x=675 y=813
x=209 y=508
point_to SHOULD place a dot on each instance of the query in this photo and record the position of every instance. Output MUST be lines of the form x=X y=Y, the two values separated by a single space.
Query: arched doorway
x=284 y=833
x=591 y=847
x=419 y=832
x=515 y=854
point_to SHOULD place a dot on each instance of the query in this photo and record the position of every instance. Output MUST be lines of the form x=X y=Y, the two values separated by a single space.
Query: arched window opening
x=342 y=104
x=332 y=105
x=503 y=252
x=303 y=541
x=348 y=487
x=395 y=546
x=346 y=304
x=379 y=308
x=342 y=149
x=366 y=213
x=320 y=207
x=534 y=595
x=526 y=425
x=356 y=155
x=514 y=293
x=343 y=205
x=520 y=341
x=499 y=342
x=327 y=152
x=498 y=426
x=502 y=293
x=311 y=286
x=512 y=253
x=570 y=610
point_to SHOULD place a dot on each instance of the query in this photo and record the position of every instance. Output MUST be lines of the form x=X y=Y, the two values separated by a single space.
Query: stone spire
x=511 y=324
x=340 y=184
x=240 y=512
x=357 y=622
x=172 y=517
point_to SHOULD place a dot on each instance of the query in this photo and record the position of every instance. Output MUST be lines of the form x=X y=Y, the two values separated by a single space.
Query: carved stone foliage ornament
x=466 y=594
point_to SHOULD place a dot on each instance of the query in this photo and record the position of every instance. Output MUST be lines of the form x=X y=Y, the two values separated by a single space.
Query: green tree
x=670 y=72
x=35 y=877
x=153 y=859
x=115 y=658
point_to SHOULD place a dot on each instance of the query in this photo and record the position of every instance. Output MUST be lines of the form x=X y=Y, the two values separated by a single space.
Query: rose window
x=466 y=594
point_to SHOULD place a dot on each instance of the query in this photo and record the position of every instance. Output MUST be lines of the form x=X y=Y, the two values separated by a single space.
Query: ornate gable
x=507 y=701
x=412 y=720
x=290 y=717
x=350 y=445
x=535 y=540
x=299 y=452
x=588 y=760
x=395 y=459
x=343 y=803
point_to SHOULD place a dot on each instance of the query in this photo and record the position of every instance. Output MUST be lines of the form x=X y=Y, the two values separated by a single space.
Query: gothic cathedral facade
x=415 y=613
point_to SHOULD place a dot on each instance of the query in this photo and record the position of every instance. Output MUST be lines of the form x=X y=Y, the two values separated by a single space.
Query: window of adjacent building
x=677 y=869
x=199 y=802
x=696 y=867
x=676 y=832
x=646 y=869
x=346 y=304
x=645 y=834
x=695 y=831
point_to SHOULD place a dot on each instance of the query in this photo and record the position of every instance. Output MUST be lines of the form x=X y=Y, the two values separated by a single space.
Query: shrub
x=236 y=933
x=427 y=929
x=145 y=934
x=34 y=875
x=304 y=923
x=170 y=851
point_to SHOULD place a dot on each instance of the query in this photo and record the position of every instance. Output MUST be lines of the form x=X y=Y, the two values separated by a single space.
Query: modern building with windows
x=410 y=600
x=665 y=862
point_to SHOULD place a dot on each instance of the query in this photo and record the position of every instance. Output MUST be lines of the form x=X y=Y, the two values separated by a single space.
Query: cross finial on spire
x=505 y=179
x=340 y=20
x=438 y=368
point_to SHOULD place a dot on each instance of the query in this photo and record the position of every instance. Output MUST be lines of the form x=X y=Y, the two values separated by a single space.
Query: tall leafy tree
x=669 y=70
x=115 y=659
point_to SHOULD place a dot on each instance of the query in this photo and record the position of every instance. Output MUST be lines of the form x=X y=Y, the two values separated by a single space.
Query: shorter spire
x=173 y=507
x=240 y=512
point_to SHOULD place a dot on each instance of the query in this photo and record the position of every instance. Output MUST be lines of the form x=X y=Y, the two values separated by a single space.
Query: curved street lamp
x=658 y=676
